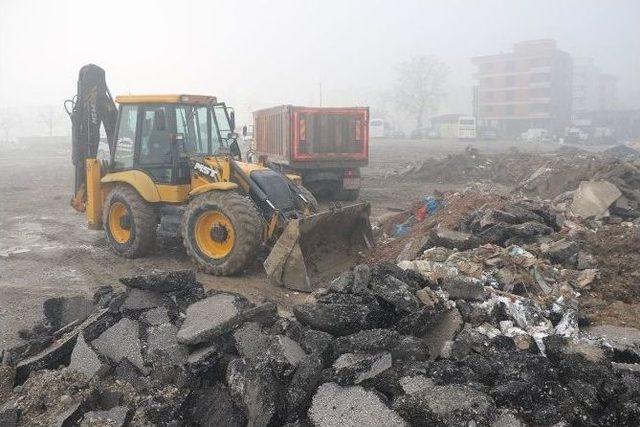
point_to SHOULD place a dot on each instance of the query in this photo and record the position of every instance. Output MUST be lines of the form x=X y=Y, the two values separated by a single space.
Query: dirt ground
x=46 y=249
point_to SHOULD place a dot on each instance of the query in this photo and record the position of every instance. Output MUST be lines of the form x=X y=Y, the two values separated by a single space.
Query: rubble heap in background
x=382 y=345
x=539 y=175
x=471 y=165
x=610 y=179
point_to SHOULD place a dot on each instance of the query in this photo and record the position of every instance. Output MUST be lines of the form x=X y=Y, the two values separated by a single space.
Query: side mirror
x=232 y=119
x=234 y=150
x=159 y=120
x=244 y=130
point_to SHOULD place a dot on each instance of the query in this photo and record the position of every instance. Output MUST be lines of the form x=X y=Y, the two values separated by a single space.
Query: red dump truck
x=326 y=146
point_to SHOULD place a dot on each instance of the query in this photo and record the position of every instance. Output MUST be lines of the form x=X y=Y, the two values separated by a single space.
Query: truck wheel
x=129 y=222
x=349 y=195
x=221 y=231
x=310 y=197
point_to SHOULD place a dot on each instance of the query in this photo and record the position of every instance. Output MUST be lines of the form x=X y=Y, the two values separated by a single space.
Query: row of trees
x=418 y=89
x=48 y=118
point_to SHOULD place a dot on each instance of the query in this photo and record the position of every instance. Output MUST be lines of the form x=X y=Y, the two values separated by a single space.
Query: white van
x=376 y=128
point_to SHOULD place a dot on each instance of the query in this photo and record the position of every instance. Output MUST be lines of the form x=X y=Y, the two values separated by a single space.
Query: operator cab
x=158 y=134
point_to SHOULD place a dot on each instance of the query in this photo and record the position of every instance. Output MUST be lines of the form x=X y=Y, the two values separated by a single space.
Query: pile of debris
x=589 y=186
x=471 y=165
x=534 y=174
x=468 y=165
x=382 y=345
x=516 y=248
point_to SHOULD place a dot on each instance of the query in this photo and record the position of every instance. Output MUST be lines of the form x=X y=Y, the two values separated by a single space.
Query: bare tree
x=49 y=116
x=419 y=86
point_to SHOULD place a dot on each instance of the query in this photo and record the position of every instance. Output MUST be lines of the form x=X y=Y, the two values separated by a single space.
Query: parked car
x=535 y=135
x=575 y=135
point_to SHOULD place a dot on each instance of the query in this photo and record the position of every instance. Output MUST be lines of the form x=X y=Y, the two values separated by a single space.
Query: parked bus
x=454 y=126
x=466 y=127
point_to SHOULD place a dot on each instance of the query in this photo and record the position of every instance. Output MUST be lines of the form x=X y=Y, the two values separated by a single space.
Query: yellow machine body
x=304 y=246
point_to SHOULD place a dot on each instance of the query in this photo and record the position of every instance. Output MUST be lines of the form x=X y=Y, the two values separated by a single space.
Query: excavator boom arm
x=92 y=106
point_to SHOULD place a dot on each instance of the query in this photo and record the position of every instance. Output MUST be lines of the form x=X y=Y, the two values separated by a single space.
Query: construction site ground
x=46 y=249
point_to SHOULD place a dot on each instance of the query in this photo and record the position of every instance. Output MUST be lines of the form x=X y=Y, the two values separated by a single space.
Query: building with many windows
x=592 y=90
x=530 y=87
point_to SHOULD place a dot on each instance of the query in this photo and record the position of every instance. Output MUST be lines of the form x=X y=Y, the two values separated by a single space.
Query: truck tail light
x=348 y=173
x=303 y=130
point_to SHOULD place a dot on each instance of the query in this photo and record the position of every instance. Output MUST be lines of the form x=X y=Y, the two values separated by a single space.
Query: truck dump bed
x=312 y=136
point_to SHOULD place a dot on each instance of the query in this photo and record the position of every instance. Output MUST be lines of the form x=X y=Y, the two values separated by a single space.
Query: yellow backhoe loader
x=174 y=166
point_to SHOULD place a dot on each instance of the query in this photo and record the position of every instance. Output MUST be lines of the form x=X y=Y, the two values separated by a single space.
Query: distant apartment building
x=592 y=90
x=607 y=92
x=586 y=80
x=529 y=87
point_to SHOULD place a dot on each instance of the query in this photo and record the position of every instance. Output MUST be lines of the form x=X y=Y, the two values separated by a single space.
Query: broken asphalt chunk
x=255 y=389
x=370 y=340
x=162 y=282
x=213 y=407
x=354 y=368
x=464 y=288
x=218 y=314
x=121 y=341
x=336 y=319
x=118 y=416
x=452 y=239
x=448 y=405
x=334 y=405
x=395 y=292
x=84 y=359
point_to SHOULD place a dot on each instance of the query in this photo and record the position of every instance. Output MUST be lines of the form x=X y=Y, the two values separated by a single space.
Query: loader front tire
x=129 y=222
x=221 y=232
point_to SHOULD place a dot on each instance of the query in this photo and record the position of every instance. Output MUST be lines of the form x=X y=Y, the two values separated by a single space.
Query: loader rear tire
x=221 y=232
x=130 y=223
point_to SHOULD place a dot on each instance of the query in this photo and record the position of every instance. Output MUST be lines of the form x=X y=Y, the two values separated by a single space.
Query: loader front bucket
x=315 y=248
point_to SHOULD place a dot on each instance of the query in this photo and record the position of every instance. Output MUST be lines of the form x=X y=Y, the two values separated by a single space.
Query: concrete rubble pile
x=386 y=344
x=472 y=165
x=593 y=187
x=544 y=175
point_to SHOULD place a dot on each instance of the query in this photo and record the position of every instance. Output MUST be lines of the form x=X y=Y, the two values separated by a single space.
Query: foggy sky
x=255 y=54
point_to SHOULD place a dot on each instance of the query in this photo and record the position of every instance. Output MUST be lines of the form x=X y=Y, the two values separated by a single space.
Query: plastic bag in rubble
x=401 y=230
x=429 y=207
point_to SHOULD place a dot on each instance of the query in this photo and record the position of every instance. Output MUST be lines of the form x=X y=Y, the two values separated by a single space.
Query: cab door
x=123 y=155
x=155 y=150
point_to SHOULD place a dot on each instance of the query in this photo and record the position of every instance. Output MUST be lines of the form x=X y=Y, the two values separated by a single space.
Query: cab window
x=194 y=123
x=123 y=157
x=222 y=120
x=155 y=138
x=155 y=155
